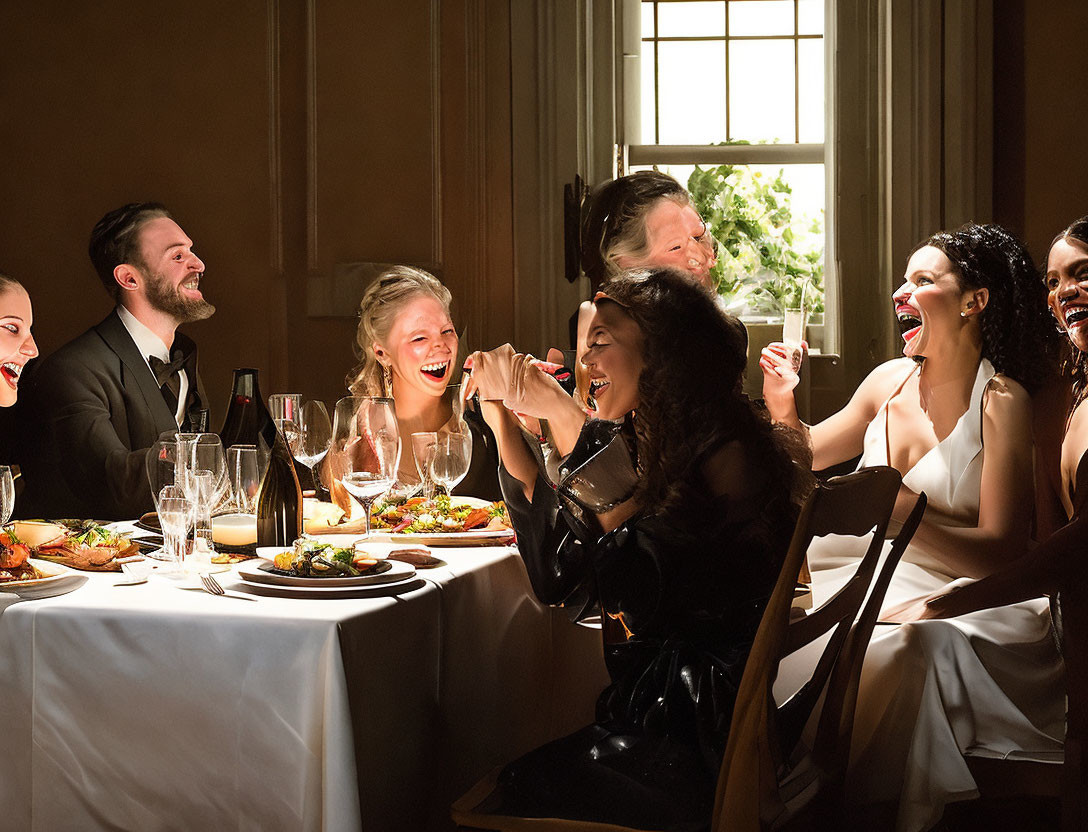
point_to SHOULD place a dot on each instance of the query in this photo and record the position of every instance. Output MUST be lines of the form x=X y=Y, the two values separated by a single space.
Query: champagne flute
x=167 y=461
x=175 y=517
x=7 y=493
x=424 y=448
x=366 y=444
x=453 y=453
x=793 y=334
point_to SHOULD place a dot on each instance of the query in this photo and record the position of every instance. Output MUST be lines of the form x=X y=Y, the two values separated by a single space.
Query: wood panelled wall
x=291 y=139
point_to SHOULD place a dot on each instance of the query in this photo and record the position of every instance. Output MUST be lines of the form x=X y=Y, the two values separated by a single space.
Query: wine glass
x=7 y=493
x=244 y=474
x=366 y=444
x=205 y=485
x=315 y=436
x=453 y=453
x=424 y=447
x=167 y=461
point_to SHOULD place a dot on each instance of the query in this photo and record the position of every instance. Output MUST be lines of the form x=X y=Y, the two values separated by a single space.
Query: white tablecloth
x=152 y=707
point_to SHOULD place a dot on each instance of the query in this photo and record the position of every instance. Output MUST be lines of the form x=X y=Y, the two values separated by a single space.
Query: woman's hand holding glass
x=780 y=373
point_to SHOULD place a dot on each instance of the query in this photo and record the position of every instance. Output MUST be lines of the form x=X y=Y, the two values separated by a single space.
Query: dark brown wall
x=1040 y=117
x=288 y=137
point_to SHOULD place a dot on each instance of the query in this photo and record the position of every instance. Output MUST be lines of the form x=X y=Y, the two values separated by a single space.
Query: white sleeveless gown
x=986 y=684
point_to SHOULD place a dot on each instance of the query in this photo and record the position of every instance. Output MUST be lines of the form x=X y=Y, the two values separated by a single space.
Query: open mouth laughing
x=909 y=322
x=435 y=371
x=1075 y=315
x=598 y=386
x=11 y=372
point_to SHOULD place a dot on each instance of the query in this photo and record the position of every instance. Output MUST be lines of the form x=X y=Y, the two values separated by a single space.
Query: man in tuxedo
x=96 y=405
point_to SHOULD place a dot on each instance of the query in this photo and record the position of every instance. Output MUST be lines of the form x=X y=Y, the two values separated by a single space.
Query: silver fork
x=215 y=588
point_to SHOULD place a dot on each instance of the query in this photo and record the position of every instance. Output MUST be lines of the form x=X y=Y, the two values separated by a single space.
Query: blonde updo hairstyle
x=381 y=303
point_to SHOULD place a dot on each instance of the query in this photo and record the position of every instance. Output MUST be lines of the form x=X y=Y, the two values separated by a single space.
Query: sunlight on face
x=1067 y=288
x=613 y=360
x=929 y=302
x=17 y=345
x=420 y=348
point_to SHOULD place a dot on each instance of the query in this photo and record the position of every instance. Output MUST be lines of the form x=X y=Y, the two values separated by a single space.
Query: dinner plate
x=260 y=572
x=476 y=537
x=408 y=584
x=56 y=580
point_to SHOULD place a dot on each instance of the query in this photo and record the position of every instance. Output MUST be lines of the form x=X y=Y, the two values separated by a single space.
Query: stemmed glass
x=365 y=448
x=284 y=406
x=205 y=485
x=453 y=453
x=244 y=474
x=424 y=448
x=7 y=493
x=167 y=465
x=311 y=437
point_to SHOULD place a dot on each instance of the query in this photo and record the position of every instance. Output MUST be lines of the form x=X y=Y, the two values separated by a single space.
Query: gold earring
x=387 y=381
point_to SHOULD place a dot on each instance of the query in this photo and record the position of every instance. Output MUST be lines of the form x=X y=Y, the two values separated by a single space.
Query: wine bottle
x=248 y=421
x=279 y=499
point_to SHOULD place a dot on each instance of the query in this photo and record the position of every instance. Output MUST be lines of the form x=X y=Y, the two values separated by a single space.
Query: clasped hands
x=503 y=375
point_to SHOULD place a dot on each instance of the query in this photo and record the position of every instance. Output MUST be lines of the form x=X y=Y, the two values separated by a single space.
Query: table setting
x=225 y=691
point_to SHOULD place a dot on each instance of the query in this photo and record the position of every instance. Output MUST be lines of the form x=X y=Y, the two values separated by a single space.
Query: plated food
x=15 y=562
x=317 y=559
x=441 y=515
x=80 y=544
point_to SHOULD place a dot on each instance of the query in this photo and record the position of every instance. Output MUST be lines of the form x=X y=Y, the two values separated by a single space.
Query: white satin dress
x=986 y=684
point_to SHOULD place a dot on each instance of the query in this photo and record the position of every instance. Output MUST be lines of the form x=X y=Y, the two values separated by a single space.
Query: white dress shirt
x=148 y=343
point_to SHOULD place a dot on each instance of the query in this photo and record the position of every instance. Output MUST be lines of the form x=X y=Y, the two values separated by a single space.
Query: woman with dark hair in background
x=954 y=416
x=671 y=519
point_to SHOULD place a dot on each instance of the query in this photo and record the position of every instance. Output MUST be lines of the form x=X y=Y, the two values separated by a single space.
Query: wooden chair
x=767 y=776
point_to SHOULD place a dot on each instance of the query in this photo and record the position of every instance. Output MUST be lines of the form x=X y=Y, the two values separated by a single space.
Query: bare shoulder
x=1076 y=437
x=1004 y=399
x=883 y=380
x=727 y=471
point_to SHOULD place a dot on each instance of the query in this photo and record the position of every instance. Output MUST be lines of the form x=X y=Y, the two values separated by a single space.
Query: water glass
x=285 y=406
x=7 y=493
x=175 y=518
x=793 y=333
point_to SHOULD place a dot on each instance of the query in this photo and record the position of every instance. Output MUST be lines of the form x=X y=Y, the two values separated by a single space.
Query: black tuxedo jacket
x=92 y=411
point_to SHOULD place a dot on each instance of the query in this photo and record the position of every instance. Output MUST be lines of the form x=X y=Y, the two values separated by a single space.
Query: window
x=737 y=88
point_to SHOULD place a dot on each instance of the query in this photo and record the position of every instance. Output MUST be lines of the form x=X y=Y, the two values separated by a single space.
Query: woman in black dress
x=671 y=520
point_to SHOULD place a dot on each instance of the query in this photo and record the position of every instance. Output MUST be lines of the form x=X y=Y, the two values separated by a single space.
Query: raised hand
x=777 y=361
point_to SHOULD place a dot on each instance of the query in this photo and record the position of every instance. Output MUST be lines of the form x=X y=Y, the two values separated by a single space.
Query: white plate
x=476 y=537
x=258 y=571
x=366 y=591
x=56 y=579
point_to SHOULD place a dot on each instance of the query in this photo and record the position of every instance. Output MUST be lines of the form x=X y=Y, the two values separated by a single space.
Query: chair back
x=767 y=773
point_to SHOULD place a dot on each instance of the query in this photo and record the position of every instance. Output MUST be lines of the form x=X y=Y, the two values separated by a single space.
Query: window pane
x=649 y=109
x=811 y=90
x=761 y=90
x=760 y=17
x=692 y=82
x=647 y=20
x=691 y=19
x=810 y=17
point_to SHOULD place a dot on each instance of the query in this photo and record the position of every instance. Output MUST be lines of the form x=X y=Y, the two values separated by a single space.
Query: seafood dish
x=80 y=544
x=15 y=562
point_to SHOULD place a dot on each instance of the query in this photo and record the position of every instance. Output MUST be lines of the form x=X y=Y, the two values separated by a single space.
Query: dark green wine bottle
x=279 y=499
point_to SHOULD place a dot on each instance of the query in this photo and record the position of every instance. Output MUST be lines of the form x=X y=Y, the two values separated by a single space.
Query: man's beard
x=165 y=297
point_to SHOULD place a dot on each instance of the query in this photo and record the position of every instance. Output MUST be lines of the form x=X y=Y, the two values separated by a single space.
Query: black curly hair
x=1018 y=336
x=614 y=213
x=689 y=391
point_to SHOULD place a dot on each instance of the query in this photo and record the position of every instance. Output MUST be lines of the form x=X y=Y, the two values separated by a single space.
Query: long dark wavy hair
x=1018 y=336
x=689 y=392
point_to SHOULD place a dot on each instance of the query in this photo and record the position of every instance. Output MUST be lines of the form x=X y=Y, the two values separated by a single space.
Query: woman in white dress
x=954 y=417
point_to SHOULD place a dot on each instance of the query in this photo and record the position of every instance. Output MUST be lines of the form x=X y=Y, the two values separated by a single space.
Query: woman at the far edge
x=671 y=518
x=954 y=416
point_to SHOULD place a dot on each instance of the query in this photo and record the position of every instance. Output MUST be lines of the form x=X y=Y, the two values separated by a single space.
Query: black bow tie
x=165 y=372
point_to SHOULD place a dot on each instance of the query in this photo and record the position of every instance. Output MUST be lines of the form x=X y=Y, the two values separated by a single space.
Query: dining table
x=160 y=706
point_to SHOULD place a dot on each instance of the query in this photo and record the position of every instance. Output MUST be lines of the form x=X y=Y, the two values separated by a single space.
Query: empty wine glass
x=315 y=436
x=7 y=493
x=424 y=447
x=366 y=448
x=453 y=453
x=244 y=474
x=167 y=462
